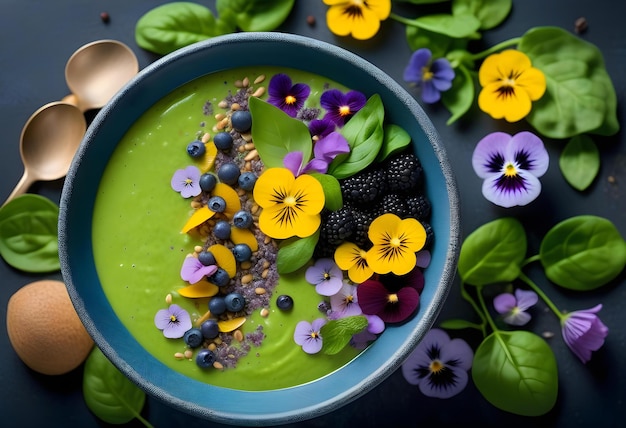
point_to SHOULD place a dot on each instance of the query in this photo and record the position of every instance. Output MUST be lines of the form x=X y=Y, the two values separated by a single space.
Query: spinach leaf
x=395 y=139
x=583 y=252
x=255 y=15
x=439 y=44
x=455 y=26
x=491 y=13
x=336 y=334
x=109 y=394
x=493 y=253
x=29 y=233
x=460 y=98
x=516 y=371
x=364 y=133
x=175 y=25
x=333 y=199
x=293 y=253
x=580 y=161
x=275 y=133
x=580 y=97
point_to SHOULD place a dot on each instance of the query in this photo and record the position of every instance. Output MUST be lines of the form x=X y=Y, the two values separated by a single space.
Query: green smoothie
x=139 y=247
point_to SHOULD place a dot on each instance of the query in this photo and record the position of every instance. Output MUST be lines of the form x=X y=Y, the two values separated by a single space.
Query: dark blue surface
x=38 y=37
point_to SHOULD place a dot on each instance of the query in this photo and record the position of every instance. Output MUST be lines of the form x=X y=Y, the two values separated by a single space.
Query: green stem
x=543 y=296
x=471 y=301
x=485 y=311
x=402 y=20
x=495 y=48
x=144 y=421
x=529 y=260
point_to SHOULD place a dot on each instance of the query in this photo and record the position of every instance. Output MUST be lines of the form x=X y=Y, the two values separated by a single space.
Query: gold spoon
x=48 y=143
x=96 y=71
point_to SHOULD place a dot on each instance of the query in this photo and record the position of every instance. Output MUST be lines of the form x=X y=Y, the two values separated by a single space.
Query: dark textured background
x=37 y=38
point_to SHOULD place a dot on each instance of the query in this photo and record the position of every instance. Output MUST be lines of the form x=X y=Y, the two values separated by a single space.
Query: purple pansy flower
x=187 y=181
x=174 y=321
x=326 y=276
x=193 y=271
x=308 y=335
x=344 y=303
x=287 y=97
x=513 y=308
x=319 y=128
x=324 y=151
x=341 y=107
x=439 y=365
x=511 y=167
x=584 y=332
x=433 y=77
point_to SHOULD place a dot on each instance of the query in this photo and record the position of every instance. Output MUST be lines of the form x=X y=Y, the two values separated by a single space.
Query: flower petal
x=490 y=154
x=504 y=303
x=528 y=149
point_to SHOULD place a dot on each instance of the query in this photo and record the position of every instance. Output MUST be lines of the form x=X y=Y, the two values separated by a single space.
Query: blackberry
x=418 y=207
x=362 y=220
x=430 y=234
x=365 y=187
x=404 y=171
x=392 y=203
x=336 y=226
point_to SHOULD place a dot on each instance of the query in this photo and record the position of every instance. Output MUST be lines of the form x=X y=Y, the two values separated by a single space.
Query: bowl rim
x=330 y=397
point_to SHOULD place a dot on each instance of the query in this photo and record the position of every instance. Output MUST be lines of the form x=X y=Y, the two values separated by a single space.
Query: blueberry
x=241 y=120
x=193 y=337
x=217 y=204
x=284 y=302
x=206 y=258
x=221 y=230
x=205 y=358
x=207 y=181
x=242 y=252
x=210 y=329
x=220 y=277
x=242 y=219
x=223 y=140
x=229 y=173
x=235 y=302
x=217 y=305
x=196 y=149
x=247 y=180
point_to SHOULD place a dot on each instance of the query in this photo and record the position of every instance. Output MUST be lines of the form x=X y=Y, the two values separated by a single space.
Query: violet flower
x=320 y=128
x=439 y=365
x=308 y=335
x=511 y=167
x=584 y=332
x=375 y=326
x=513 y=308
x=174 y=321
x=326 y=276
x=434 y=77
x=193 y=271
x=187 y=181
x=344 y=303
x=287 y=97
x=341 y=107
x=324 y=151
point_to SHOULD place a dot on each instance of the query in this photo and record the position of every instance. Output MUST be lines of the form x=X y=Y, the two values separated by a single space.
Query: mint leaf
x=337 y=333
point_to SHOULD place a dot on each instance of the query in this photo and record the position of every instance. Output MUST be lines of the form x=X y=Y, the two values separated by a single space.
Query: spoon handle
x=21 y=187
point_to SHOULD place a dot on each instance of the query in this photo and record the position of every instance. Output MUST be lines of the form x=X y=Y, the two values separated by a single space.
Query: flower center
x=188 y=182
x=314 y=335
x=290 y=201
x=290 y=99
x=510 y=170
x=173 y=318
x=349 y=299
x=344 y=110
x=326 y=276
x=392 y=298
x=427 y=74
x=436 y=366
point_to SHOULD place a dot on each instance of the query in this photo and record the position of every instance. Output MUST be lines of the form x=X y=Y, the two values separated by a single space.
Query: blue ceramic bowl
x=236 y=407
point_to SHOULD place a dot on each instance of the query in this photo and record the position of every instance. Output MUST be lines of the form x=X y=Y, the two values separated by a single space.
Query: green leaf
x=275 y=133
x=455 y=26
x=293 y=253
x=109 y=394
x=493 y=253
x=395 y=139
x=175 y=25
x=491 y=13
x=516 y=371
x=580 y=97
x=29 y=233
x=336 y=334
x=460 y=97
x=580 y=162
x=439 y=44
x=255 y=15
x=583 y=252
x=333 y=199
x=458 y=324
x=364 y=133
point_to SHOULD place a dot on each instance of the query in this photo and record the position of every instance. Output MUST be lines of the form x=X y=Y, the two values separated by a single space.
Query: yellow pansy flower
x=291 y=205
x=351 y=258
x=361 y=18
x=509 y=85
x=395 y=242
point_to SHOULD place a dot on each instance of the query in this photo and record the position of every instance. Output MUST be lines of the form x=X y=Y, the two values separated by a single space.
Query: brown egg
x=44 y=328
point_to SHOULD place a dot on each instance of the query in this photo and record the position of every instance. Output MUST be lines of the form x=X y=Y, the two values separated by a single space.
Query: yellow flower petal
x=512 y=108
x=224 y=258
x=357 y=17
x=208 y=160
x=200 y=289
x=412 y=233
x=533 y=81
x=227 y=326
x=230 y=196
x=302 y=225
x=272 y=180
x=244 y=236
x=351 y=258
x=198 y=217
